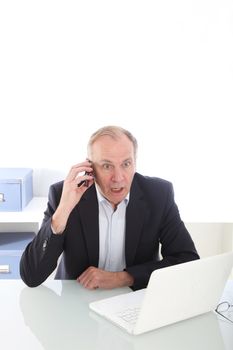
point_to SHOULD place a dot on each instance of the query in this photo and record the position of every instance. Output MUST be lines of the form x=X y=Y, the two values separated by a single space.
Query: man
x=108 y=222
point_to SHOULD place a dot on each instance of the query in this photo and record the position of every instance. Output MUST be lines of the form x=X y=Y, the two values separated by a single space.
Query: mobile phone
x=85 y=182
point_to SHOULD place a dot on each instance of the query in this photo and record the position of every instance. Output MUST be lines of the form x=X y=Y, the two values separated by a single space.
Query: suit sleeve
x=40 y=256
x=175 y=241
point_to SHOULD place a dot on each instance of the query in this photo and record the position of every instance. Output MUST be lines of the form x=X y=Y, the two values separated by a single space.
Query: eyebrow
x=109 y=161
x=105 y=160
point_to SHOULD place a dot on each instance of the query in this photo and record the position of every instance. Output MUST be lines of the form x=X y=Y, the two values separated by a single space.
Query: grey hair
x=115 y=132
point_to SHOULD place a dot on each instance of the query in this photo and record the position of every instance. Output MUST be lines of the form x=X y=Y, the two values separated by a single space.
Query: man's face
x=114 y=167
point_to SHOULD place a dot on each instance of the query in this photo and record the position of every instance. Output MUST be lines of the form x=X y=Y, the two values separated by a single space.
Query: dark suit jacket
x=152 y=218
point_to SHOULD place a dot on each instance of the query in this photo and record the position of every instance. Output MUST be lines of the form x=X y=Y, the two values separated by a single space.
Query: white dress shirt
x=111 y=234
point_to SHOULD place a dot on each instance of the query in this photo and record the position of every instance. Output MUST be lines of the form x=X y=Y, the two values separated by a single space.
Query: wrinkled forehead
x=117 y=149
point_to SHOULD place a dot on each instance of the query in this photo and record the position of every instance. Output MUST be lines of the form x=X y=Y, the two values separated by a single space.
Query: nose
x=117 y=175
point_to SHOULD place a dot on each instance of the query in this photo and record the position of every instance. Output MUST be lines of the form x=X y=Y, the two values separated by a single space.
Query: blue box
x=12 y=245
x=10 y=241
x=11 y=260
x=15 y=188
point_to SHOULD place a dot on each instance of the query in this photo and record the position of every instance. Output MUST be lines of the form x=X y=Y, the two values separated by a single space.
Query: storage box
x=15 y=188
x=10 y=241
x=12 y=245
x=9 y=265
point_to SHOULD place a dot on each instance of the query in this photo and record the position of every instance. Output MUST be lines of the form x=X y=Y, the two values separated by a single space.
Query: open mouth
x=117 y=189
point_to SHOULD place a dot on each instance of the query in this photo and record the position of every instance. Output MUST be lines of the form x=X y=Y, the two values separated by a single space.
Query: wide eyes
x=126 y=164
x=108 y=166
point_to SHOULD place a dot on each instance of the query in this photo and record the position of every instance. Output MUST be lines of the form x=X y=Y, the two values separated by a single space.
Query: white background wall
x=163 y=69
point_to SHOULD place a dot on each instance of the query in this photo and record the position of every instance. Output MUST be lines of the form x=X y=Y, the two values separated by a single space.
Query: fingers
x=90 y=278
x=71 y=192
x=94 y=277
x=85 y=180
x=80 y=177
x=77 y=169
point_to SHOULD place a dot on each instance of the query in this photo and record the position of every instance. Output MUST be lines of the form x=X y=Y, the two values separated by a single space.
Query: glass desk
x=56 y=316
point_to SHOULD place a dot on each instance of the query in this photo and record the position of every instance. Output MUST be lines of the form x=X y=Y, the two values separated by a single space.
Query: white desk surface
x=56 y=316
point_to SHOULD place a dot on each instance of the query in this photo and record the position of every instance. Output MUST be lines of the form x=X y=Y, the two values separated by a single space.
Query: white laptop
x=173 y=294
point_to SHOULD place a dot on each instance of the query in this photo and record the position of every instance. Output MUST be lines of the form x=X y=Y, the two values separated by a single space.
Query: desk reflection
x=62 y=320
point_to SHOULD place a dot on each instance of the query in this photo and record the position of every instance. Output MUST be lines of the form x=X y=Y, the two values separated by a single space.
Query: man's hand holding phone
x=75 y=185
x=85 y=182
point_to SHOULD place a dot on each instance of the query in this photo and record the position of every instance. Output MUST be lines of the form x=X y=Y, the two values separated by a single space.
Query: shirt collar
x=101 y=198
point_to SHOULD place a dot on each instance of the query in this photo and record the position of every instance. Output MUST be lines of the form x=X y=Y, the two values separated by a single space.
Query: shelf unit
x=27 y=220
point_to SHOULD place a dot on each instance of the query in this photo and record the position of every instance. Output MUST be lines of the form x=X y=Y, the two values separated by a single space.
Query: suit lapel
x=135 y=217
x=89 y=215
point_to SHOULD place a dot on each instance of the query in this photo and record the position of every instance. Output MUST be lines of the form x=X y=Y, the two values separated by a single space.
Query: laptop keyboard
x=129 y=315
